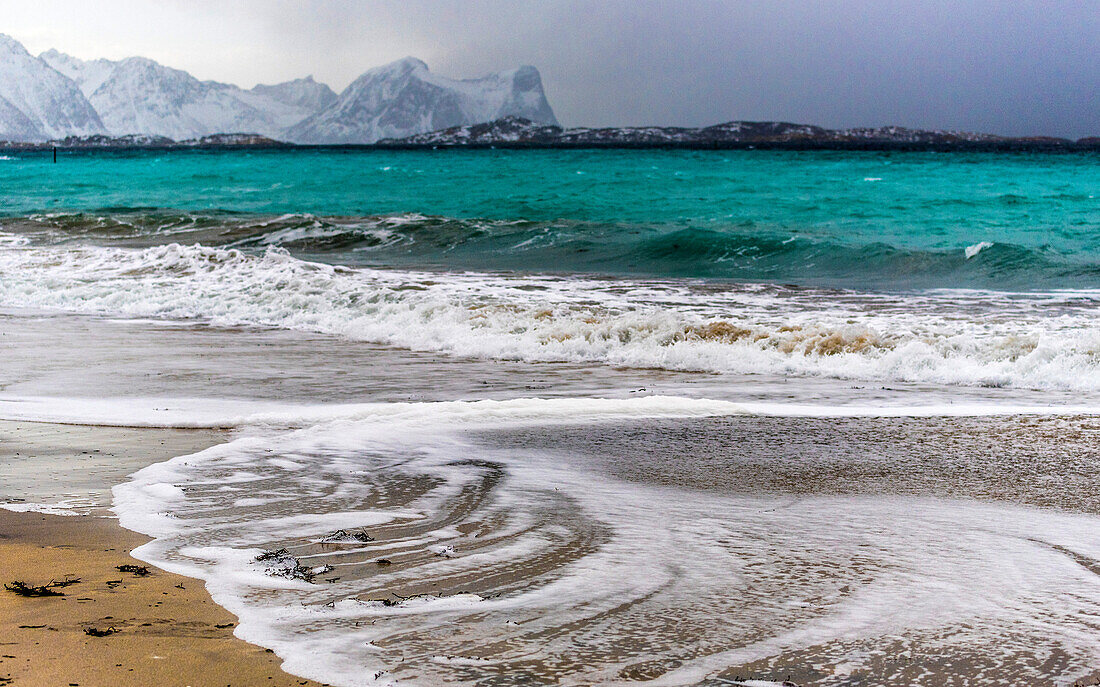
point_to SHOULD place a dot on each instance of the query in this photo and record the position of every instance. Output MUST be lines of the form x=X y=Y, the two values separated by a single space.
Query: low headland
x=520 y=133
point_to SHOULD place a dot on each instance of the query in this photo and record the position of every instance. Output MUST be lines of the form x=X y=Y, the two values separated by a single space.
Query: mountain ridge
x=406 y=96
x=56 y=95
x=36 y=101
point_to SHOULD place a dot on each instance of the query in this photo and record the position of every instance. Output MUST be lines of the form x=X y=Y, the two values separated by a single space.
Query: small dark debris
x=383 y=561
x=31 y=627
x=386 y=602
x=272 y=555
x=139 y=570
x=96 y=632
x=22 y=589
x=282 y=564
x=347 y=537
x=222 y=626
x=64 y=583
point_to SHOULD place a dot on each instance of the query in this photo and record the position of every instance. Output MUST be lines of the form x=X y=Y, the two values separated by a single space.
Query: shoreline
x=161 y=628
x=993 y=147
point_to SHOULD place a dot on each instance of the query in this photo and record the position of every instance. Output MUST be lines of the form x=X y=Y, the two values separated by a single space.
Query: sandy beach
x=163 y=628
x=160 y=628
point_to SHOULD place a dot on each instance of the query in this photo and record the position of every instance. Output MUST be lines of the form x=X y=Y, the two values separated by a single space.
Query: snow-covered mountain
x=306 y=93
x=56 y=95
x=138 y=95
x=37 y=102
x=404 y=98
x=88 y=74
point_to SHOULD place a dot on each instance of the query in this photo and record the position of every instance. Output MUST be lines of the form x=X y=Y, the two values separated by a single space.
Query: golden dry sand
x=167 y=629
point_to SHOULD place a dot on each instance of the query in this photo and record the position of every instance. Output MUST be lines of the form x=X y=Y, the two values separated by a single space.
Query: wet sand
x=163 y=629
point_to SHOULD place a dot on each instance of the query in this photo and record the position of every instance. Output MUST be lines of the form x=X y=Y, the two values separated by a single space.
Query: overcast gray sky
x=1003 y=67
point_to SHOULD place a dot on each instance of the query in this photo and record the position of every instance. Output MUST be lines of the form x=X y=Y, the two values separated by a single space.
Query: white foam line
x=196 y=413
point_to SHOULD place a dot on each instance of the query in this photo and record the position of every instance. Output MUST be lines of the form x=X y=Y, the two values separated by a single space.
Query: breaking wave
x=742 y=251
x=1038 y=341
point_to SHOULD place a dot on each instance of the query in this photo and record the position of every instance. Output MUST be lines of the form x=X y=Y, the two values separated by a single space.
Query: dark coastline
x=514 y=133
x=870 y=146
x=860 y=146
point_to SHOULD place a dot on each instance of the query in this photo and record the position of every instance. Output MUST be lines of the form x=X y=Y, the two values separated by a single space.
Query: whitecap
x=971 y=251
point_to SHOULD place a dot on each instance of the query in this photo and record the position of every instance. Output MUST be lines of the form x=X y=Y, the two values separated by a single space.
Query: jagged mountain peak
x=402 y=66
x=88 y=74
x=138 y=95
x=10 y=45
x=306 y=93
x=39 y=102
x=405 y=98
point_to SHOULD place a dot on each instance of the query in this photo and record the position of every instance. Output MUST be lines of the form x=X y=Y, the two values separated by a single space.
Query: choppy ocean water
x=558 y=390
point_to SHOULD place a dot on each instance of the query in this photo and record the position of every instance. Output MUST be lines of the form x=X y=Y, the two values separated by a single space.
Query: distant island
x=144 y=141
x=518 y=132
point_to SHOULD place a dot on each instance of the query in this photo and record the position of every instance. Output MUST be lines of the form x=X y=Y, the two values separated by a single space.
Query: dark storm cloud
x=1003 y=67
x=1018 y=68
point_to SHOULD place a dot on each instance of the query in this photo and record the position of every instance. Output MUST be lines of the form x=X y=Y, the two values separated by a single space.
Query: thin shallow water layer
x=49 y=355
x=70 y=469
x=571 y=542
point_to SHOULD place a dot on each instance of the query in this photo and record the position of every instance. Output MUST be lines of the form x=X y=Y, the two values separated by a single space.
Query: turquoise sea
x=892 y=221
x=580 y=417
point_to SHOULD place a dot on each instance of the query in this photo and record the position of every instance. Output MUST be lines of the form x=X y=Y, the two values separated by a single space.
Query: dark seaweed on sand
x=139 y=570
x=347 y=537
x=96 y=632
x=286 y=565
x=22 y=589
x=277 y=554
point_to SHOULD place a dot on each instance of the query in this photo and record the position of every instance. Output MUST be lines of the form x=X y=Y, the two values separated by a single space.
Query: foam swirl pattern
x=525 y=562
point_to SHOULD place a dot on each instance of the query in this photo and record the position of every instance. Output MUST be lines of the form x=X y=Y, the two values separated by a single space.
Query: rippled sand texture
x=833 y=550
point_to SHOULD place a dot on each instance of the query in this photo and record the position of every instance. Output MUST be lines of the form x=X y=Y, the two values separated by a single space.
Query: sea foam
x=1039 y=341
x=601 y=564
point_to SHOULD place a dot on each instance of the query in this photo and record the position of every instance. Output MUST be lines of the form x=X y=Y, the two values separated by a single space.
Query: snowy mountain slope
x=38 y=101
x=16 y=126
x=88 y=74
x=306 y=94
x=57 y=95
x=140 y=96
x=404 y=98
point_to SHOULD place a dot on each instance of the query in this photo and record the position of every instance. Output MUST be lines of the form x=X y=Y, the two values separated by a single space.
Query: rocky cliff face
x=404 y=98
x=37 y=102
